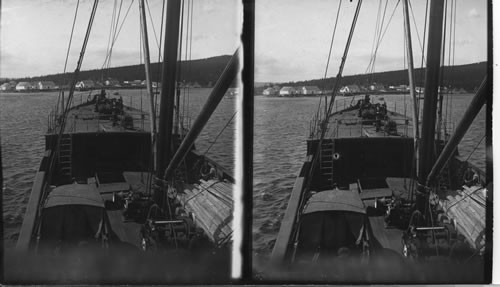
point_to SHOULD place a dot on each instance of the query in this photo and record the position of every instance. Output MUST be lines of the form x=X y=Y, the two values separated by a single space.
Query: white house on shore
x=310 y=90
x=7 y=87
x=46 y=85
x=350 y=89
x=376 y=87
x=287 y=91
x=85 y=84
x=111 y=82
x=270 y=92
x=23 y=86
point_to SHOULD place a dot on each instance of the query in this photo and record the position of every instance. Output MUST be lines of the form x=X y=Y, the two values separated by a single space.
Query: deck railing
x=359 y=127
x=93 y=123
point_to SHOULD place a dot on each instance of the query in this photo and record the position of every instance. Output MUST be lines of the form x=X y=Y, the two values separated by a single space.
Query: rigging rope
x=152 y=24
x=451 y=59
x=477 y=145
x=324 y=122
x=449 y=62
x=329 y=55
x=158 y=71
x=61 y=92
x=190 y=53
x=72 y=89
x=375 y=35
x=217 y=137
x=341 y=68
x=179 y=75
x=378 y=37
x=117 y=33
x=333 y=37
x=114 y=24
x=185 y=60
x=442 y=73
x=422 y=69
x=111 y=30
x=374 y=56
x=416 y=29
x=71 y=36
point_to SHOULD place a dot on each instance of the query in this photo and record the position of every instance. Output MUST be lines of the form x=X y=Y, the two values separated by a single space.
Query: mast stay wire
x=324 y=122
x=71 y=36
x=377 y=28
x=158 y=72
x=329 y=55
x=446 y=99
x=61 y=92
x=341 y=68
x=190 y=54
x=442 y=73
x=422 y=59
x=111 y=29
x=114 y=24
x=152 y=24
x=117 y=33
x=179 y=73
x=379 y=25
x=451 y=58
x=72 y=87
x=333 y=37
x=218 y=135
x=421 y=46
x=186 y=58
x=374 y=56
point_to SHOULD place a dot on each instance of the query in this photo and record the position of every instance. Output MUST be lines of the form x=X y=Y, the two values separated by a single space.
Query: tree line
x=205 y=72
x=467 y=77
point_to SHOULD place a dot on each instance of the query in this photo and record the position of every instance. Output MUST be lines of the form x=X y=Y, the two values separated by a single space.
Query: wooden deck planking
x=126 y=231
x=388 y=238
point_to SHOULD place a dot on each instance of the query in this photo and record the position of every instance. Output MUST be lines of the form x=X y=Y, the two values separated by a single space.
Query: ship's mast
x=426 y=147
x=470 y=114
x=147 y=66
x=165 y=136
x=218 y=92
x=411 y=78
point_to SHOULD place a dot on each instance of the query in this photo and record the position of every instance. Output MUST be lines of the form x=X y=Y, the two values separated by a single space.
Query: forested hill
x=467 y=77
x=203 y=71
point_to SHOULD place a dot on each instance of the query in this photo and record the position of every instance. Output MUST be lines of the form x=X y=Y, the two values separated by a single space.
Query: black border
x=248 y=38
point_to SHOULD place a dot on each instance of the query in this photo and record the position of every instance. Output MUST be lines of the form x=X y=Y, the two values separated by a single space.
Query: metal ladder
x=65 y=153
x=326 y=164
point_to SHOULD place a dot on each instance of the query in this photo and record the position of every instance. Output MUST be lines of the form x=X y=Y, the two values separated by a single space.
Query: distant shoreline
x=83 y=90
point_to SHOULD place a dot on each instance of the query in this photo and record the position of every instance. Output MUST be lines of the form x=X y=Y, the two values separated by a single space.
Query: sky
x=34 y=34
x=292 y=37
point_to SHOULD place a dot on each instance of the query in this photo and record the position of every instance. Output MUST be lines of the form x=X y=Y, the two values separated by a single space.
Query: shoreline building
x=310 y=90
x=46 y=85
x=23 y=86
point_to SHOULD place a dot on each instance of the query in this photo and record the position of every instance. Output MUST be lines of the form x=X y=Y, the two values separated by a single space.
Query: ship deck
x=128 y=231
x=84 y=119
x=347 y=124
x=389 y=238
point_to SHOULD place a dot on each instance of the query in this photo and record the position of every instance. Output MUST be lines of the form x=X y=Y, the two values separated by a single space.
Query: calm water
x=281 y=130
x=23 y=123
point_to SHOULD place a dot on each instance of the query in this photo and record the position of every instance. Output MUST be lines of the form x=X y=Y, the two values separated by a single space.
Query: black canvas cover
x=328 y=233
x=70 y=226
